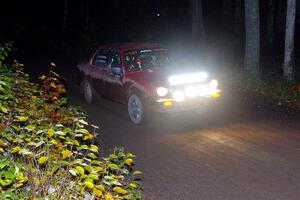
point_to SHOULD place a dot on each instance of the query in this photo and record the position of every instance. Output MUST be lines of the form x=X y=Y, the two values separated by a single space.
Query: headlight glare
x=187 y=78
x=162 y=91
x=191 y=92
x=202 y=90
x=178 y=96
x=214 y=83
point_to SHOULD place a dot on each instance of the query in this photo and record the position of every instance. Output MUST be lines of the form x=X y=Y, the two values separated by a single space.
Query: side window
x=132 y=61
x=100 y=58
x=114 y=59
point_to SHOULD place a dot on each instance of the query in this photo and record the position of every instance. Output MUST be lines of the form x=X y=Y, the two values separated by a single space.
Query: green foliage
x=46 y=147
x=279 y=89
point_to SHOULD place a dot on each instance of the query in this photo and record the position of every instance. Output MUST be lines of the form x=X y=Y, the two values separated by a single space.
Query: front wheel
x=135 y=109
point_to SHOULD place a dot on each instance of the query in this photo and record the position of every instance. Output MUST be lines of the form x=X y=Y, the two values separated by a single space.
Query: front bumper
x=171 y=106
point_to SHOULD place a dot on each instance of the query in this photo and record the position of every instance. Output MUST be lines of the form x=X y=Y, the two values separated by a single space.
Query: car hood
x=161 y=75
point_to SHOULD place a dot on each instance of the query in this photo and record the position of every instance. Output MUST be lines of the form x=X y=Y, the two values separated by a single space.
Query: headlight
x=187 y=78
x=213 y=87
x=214 y=84
x=162 y=91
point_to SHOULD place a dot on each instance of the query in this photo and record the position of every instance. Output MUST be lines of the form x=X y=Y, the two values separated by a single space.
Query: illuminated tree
x=252 y=47
x=288 y=69
x=238 y=17
x=198 y=31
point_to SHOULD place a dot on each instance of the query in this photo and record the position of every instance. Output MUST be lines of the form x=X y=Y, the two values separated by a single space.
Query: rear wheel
x=135 y=109
x=87 y=90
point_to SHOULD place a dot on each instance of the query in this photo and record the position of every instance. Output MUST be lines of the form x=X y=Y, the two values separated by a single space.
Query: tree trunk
x=252 y=47
x=65 y=20
x=237 y=17
x=270 y=25
x=198 y=31
x=288 y=72
x=227 y=16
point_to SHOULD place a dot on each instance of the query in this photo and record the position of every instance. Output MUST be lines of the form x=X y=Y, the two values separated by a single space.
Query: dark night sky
x=105 y=16
x=38 y=25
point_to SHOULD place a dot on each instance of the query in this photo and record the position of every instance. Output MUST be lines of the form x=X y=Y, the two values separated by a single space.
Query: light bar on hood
x=187 y=78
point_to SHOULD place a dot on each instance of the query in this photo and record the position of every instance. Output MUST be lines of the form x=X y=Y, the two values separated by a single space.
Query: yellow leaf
x=80 y=170
x=113 y=166
x=43 y=77
x=18 y=185
x=22 y=118
x=89 y=184
x=131 y=155
x=52 y=84
x=76 y=143
x=2 y=143
x=34 y=98
x=50 y=132
x=88 y=168
x=89 y=180
x=43 y=159
x=66 y=154
x=16 y=149
x=98 y=193
x=3 y=109
x=24 y=179
x=100 y=187
x=53 y=142
x=98 y=169
x=108 y=196
x=120 y=190
x=88 y=137
x=137 y=172
x=132 y=185
x=128 y=161
x=1 y=150
x=94 y=148
x=94 y=176
x=129 y=197
x=82 y=130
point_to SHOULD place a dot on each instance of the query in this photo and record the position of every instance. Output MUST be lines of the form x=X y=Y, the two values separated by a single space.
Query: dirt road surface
x=240 y=150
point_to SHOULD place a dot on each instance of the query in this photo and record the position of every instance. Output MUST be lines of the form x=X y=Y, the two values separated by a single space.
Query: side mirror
x=116 y=70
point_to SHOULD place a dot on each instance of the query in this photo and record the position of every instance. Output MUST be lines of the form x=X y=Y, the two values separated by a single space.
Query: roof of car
x=129 y=46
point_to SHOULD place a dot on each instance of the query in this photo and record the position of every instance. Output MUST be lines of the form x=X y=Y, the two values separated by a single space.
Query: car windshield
x=141 y=59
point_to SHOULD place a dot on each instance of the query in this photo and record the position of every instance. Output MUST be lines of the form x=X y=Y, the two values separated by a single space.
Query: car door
x=114 y=81
x=99 y=69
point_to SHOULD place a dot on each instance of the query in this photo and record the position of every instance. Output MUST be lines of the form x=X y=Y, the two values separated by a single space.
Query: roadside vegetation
x=282 y=91
x=47 y=148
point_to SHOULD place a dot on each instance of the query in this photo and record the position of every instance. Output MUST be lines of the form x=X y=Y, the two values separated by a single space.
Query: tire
x=136 y=110
x=88 y=91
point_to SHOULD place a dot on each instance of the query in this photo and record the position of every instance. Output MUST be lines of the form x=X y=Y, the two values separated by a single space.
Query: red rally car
x=144 y=77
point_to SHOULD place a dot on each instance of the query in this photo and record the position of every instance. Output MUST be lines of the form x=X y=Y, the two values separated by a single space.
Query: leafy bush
x=46 y=147
x=281 y=90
